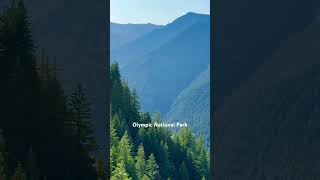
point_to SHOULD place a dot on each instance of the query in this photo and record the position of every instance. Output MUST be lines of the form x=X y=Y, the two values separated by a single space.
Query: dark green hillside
x=192 y=105
x=44 y=133
x=269 y=129
x=162 y=74
x=75 y=32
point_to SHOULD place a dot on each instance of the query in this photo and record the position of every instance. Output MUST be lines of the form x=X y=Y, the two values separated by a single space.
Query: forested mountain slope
x=269 y=128
x=75 y=33
x=192 y=105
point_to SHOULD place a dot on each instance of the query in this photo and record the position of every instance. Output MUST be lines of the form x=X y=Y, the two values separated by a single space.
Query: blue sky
x=154 y=11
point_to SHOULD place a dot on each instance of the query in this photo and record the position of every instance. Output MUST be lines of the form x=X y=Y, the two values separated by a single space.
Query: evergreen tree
x=124 y=151
x=152 y=168
x=145 y=117
x=164 y=160
x=114 y=141
x=187 y=139
x=115 y=88
x=81 y=118
x=118 y=124
x=201 y=159
x=19 y=173
x=135 y=105
x=22 y=84
x=183 y=171
x=140 y=162
x=120 y=173
x=145 y=177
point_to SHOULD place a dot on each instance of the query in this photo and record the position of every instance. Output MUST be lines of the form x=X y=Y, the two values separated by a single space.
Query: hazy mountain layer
x=162 y=74
x=152 y=41
x=121 y=34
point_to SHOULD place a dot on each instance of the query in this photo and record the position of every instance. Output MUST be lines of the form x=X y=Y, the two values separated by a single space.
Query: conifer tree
x=124 y=151
x=119 y=124
x=201 y=159
x=115 y=88
x=22 y=84
x=183 y=171
x=140 y=162
x=120 y=173
x=135 y=105
x=81 y=118
x=145 y=177
x=114 y=141
x=164 y=160
x=187 y=139
x=152 y=168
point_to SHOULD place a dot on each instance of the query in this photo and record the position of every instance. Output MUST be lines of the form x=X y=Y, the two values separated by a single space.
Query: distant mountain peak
x=191 y=17
x=193 y=13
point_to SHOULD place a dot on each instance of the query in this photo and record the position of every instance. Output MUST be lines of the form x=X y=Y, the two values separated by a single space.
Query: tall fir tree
x=22 y=83
x=81 y=118
x=201 y=159
x=140 y=163
x=120 y=173
x=183 y=171
x=125 y=155
x=164 y=161
x=114 y=141
x=115 y=88
x=152 y=168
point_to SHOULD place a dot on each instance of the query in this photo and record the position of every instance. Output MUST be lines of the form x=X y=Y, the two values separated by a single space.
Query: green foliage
x=124 y=155
x=140 y=162
x=34 y=110
x=169 y=154
x=183 y=171
x=201 y=159
x=81 y=117
x=192 y=106
x=120 y=173
x=152 y=168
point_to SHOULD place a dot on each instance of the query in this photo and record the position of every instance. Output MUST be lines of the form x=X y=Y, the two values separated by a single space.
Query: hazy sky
x=154 y=11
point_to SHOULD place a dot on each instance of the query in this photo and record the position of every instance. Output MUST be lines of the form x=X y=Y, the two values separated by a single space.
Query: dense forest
x=45 y=134
x=149 y=153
